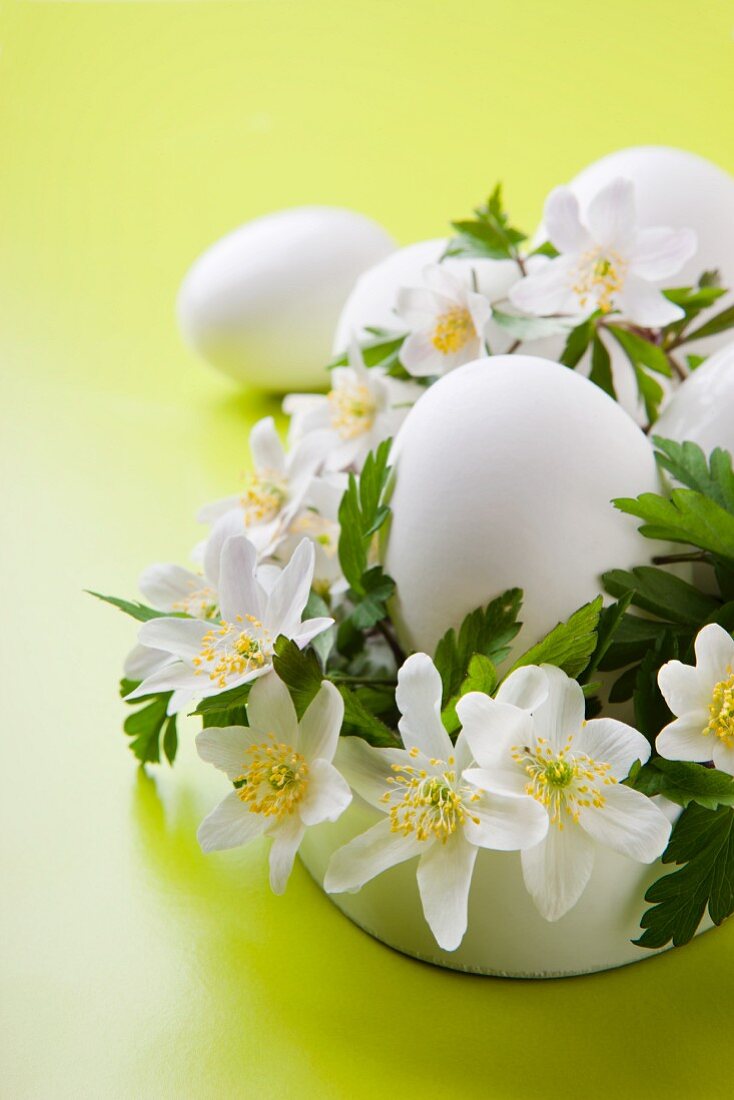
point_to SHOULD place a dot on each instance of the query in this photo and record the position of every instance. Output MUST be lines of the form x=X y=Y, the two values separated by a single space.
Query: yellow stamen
x=263 y=497
x=563 y=781
x=230 y=649
x=454 y=329
x=721 y=711
x=201 y=603
x=429 y=806
x=274 y=780
x=599 y=276
x=352 y=409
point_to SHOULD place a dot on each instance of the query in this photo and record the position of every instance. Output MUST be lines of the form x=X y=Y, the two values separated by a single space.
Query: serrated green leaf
x=601 y=367
x=358 y=718
x=488 y=631
x=610 y=622
x=688 y=517
x=528 y=328
x=148 y=725
x=703 y=842
x=720 y=323
x=569 y=645
x=662 y=593
x=300 y=671
x=578 y=341
x=651 y=710
x=225 y=702
x=641 y=352
x=687 y=463
x=683 y=782
x=481 y=676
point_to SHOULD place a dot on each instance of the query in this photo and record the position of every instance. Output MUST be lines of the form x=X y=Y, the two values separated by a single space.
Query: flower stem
x=392 y=641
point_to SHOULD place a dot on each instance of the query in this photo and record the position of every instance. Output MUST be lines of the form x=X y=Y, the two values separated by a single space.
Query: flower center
x=321 y=530
x=599 y=277
x=454 y=329
x=200 y=604
x=231 y=650
x=274 y=780
x=352 y=409
x=721 y=712
x=263 y=497
x=561 y=781
x=430 y=806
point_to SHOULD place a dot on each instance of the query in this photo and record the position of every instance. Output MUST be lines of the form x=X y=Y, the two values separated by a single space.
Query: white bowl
x=506 y=936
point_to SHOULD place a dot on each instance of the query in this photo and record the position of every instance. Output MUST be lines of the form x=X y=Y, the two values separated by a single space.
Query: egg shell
x=372 y=300
x=504 y=473
x=702 y=409
x=261 y=304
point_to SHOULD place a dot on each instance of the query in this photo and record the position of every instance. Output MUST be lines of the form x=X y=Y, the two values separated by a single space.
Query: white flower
x=702 y=698
x=274 y=491
x=318 y=521
x=432 y=812
x=572 y=769
x=363 y=407
x=446 y=319
x=608 y=263
x=288 y=781
x=212 y=657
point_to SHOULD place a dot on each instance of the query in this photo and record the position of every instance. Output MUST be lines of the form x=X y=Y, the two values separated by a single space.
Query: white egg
x=702 y=409
x=372 y=300
x=261 y=304
x=504 y=473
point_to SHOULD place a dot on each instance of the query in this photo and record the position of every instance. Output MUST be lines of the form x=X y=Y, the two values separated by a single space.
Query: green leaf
x=488 y=631
x=688 y=517
x=703 y=842
x=300 y=671
x=136 y=610
x=610 y=622
x=482 y=676
x=359 y=719
x=217 y=709
x=641 y=352
x=686 y=462
x=150 y=726
x=578 y=341
x=361 y=515
x=682 y=782
x=545 y=249
x=569 y=645
x=651 y=393
x=370 y=608
x=317 y=608
x=490 y=234
x=720 y=323
x=528 y=328
x=662 y=593
x=651 y=710
x=601 y=367
x=377 y=352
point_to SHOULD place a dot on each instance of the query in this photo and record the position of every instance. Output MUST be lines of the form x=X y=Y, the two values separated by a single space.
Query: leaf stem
x=383 y=628
x=670 y=559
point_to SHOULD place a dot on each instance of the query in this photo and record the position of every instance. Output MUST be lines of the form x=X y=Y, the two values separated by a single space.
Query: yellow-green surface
x=132 y=136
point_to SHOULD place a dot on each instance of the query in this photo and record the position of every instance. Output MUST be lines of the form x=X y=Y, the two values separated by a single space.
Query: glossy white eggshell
x=702 y=409
x=506 y=934
x=504 y=473
x=372 y=300
x=261 y=304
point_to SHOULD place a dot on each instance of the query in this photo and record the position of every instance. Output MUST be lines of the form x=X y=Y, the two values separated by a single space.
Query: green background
x=132 y=136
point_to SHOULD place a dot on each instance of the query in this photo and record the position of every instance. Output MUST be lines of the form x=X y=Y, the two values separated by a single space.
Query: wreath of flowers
x=282 y=638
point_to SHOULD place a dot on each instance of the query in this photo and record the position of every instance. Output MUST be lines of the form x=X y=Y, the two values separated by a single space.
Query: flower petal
x=526 y=687
x=684 y=738
x=289 y=594
x=142 y=661
x=548 y=290
x=265 y=446
x=165 y=585
x=309 y=629
x=714 y=654
x=682 y=688
x=506 y=824
x=418 y=697
x=368 y=769
x=510 y=780
x=608 y=741
x=562 y=713
x=416 y=306
x=174 y=676
x=628 y=823
x=270 y=710
x=181 y=637
x=239 y=592
x=492 y=728
x=368 y=855
x=444 y=877
x=659 y=252
x=229 y=825
x=557 y=870
x=226 y=747
x=643 y=304
x=611 y=214
x=563 y=221
x=724 y=757
x=419 y=355
x=327 y=796
x=232 y=522
x=321 y=724
x=287 y=837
